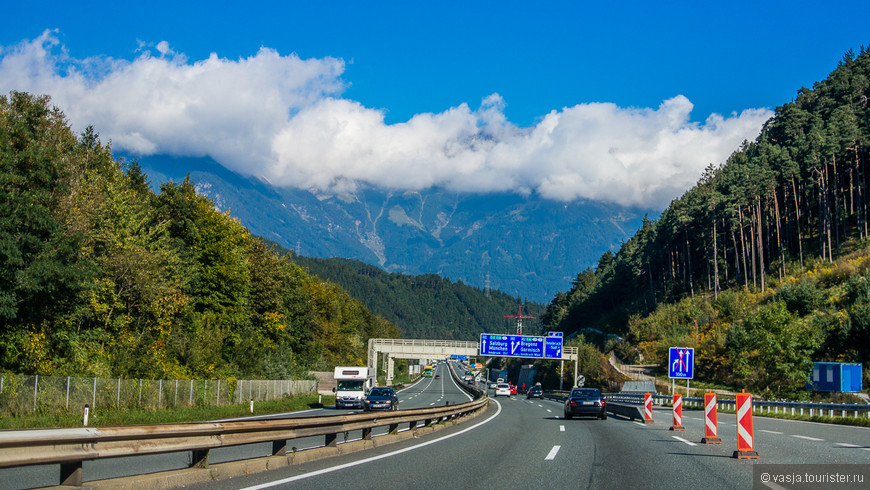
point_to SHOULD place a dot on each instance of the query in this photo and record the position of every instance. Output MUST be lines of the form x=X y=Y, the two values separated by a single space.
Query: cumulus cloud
x=284 y=118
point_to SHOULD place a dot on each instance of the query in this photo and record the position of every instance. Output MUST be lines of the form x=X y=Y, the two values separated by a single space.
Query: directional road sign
x=681 y=363
x=520 y=346
x=553 y=347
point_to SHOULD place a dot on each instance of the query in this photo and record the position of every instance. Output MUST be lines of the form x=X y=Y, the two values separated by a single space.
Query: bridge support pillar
x=390 y=367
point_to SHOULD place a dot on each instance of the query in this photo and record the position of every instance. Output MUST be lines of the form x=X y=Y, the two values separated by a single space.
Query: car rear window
x=589 y=393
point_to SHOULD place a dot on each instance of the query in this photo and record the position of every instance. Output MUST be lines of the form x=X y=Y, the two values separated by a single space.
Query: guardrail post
x=331 y=440
x=199 y=458
x=394 y=428
x=279 y=448
x=367 y=433
x=71 y=474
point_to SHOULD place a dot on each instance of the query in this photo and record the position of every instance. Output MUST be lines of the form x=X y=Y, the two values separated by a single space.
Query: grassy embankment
x=111 y=418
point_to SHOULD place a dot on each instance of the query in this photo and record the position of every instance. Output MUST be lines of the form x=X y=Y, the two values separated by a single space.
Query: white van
x=352 y=385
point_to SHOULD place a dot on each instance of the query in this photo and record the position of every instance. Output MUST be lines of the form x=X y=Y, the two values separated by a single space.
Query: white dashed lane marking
x=552 y=454
x=685 y=441
x=808 y=438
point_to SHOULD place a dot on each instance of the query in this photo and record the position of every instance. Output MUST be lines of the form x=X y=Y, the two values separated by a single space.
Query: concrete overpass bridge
x=431 y=350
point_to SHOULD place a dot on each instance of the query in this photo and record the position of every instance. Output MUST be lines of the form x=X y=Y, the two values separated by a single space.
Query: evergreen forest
x=763 y=265
x=102 y=276
x=426 y=306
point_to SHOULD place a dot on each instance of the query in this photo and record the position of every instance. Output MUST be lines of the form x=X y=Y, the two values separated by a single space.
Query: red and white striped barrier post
x=678 y=412
x=647 y=408
x=745 y=440
x=711 y=424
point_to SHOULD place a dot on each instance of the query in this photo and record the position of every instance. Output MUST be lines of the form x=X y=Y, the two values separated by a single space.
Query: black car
x=585 y=402
x=381 y=398
x=535 y=392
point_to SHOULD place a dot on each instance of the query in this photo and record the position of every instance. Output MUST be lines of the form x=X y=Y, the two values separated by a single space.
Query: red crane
x=519 y=316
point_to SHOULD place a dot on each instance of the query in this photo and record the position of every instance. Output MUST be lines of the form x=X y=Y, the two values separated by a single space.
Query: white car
x=502 y=389
x=493 y=385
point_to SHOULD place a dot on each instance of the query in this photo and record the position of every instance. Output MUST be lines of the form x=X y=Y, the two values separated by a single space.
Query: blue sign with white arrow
x=681 y=362
x=553 y=348
x=520 y=346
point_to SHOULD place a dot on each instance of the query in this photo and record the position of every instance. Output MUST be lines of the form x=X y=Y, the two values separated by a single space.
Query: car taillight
x=601 y=401
x=573 y=404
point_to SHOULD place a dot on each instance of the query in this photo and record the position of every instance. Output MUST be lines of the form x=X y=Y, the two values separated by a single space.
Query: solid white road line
x=373 y=458
x=771 y=431
x=552 y=454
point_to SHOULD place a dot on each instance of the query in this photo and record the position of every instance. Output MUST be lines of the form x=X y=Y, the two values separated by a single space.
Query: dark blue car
x=381 y=398
x=586 y=402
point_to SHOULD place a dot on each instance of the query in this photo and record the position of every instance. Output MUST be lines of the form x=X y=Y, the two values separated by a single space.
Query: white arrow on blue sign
x=520 y=346
x=681 y=362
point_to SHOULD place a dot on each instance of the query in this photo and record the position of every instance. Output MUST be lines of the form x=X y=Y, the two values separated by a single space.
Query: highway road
x=425 y=392
x=524 y=443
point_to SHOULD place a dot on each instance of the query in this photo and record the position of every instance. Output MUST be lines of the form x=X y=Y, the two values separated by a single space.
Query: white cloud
x=283 y=118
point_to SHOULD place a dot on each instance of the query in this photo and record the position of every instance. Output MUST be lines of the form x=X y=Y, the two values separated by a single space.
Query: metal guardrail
x=71 y=447
x=758 y=406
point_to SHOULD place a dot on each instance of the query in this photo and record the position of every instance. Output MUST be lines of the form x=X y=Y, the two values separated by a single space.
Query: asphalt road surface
x=522 y=443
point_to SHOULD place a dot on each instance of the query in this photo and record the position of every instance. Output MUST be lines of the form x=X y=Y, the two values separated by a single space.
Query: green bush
x=802 y=297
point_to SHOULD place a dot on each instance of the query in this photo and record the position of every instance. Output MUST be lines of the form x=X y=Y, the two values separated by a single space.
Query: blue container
x=844 y=377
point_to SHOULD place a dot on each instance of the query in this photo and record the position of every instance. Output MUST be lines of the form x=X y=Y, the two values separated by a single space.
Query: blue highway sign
x=553 y=348
x=681 y=362
x=520 y=346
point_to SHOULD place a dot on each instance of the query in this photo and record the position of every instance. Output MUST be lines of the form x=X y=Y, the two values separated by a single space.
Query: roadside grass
x=115 y=418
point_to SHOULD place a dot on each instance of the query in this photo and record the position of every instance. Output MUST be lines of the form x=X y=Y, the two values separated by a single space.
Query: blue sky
x=623 y=102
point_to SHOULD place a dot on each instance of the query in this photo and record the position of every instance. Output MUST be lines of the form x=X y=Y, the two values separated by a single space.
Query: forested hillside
x=761 y=265
x=101 y=276
x=425 y=306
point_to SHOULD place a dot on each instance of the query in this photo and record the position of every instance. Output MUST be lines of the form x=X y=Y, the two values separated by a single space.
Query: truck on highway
x=352 y=385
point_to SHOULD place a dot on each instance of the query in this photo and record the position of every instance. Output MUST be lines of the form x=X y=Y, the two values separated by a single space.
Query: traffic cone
x=711 y=428
x=678 y=413
x=647 y=409
x=745 y=439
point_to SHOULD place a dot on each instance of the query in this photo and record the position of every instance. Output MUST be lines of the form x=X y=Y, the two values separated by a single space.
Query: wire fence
x=20 y=395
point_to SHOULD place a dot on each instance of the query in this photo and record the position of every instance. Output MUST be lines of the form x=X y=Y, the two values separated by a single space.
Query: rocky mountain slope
x=522 y=245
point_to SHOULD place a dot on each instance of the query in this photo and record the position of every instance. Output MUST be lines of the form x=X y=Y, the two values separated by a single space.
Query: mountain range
x=525 y=246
